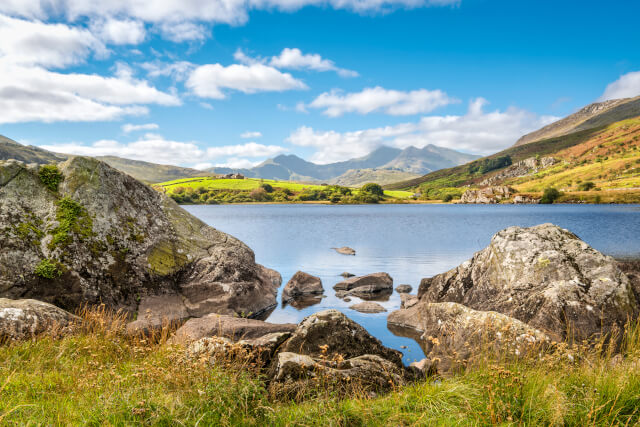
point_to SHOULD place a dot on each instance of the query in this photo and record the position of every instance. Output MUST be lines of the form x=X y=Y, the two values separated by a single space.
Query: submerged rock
x=82 y=232
x=302 y=284
x=235 y=328
x=346 y=275
x=345 y=250
x=544 y=276
x=28 y=318
x=368 y=307
x=449 y=333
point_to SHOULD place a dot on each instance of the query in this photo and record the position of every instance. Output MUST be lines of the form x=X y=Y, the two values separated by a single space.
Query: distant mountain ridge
x=590 y=117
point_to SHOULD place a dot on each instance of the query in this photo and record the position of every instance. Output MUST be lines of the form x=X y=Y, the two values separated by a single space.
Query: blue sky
x=202 y=83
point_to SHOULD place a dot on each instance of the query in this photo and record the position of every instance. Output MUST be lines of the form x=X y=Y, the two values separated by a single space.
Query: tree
x=373 y=188
x=550 y=195
x=267 y=187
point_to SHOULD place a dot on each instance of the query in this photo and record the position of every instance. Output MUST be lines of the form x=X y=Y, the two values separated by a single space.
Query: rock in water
x=368 y=307
x=28 y=318
x=345 y=250
x=82 y=232
x=544 y=276
x=346 y=274
x=366 y=285
x=404 y=289
x=301 y=284
x=449 y=332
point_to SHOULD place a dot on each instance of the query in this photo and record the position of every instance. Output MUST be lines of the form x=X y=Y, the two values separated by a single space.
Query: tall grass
x=101 y=376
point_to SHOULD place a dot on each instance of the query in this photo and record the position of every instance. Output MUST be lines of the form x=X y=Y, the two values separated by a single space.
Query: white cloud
x=51 y=45
x=250 y=149
x=246 y=135
x=179 y=32
x=156 y=149
x=178 y=71
x=206 y=105
x=295 y=59
x=208 y=81
x=475 y=132
x=201 y=166
x=237 y=163
x=37 y=94
x=129 y=127
x=120 y=32
x=627 y=86
x=378 y=99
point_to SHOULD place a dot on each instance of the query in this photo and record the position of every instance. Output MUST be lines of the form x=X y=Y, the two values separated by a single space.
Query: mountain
x=411 y=160
x=142 y=171
x=589 y=117
x=359 y=177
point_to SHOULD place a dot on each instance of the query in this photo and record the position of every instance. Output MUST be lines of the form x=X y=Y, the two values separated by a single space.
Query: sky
x=204 y=83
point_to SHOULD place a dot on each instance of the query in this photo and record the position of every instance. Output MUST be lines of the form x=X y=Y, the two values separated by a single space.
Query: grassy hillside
x=608 y=157
x=101 y=376
x=149 y=172
x=9 y=149
x=213 y=190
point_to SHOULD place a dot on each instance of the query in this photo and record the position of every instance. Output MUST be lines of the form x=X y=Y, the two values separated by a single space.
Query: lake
x=407 y=241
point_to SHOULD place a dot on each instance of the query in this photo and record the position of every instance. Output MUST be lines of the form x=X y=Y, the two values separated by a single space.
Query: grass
x=100 y=376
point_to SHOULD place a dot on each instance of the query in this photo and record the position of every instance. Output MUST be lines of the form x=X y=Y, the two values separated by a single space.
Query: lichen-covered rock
x=370 y=284
x=261 y=349
x=330 y=332
x=235 y=328
x=28 y=318
x=301 y=284
x=544 y=276
x=487 y=195
x=368 y=307
x=82 y=232
x=449 y=333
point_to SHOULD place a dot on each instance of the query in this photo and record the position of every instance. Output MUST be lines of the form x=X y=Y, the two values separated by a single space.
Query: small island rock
x=301 y=284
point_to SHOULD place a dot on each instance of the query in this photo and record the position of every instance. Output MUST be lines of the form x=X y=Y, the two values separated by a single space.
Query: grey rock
x=544 y=276
x=259 y=349
x=404 y=289
x=234 y=328
x=366 y=285
x=524 y=167
x=408 y=300
x=28 y=318
x=345 y=250
x=450 y=333
x=347 y=274
x=122 y=244
x=487 y=195
x=368 y=307
x=301 y=284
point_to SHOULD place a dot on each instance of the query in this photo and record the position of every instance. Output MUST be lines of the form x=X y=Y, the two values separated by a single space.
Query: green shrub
x=586 y=186
x=488 y=165
x=373 y=188
x=447 y=198
x=550 y=195
x=48 y=269
x=267 y=187
x=50 y=176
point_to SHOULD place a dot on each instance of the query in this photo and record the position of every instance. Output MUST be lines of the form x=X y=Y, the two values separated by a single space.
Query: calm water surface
x=407 y=241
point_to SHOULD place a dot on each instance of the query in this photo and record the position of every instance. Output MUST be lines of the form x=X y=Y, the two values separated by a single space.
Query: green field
x=234 y=184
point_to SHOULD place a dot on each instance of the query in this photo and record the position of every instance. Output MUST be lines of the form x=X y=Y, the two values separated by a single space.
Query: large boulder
x=330 y=332
x=83 y=232
x=227 y=326
x=544 y=276
x=487 y=195
x=368 y=285
x=368 y=307
x=449 y=333
x=302 y=284
x=28 y=318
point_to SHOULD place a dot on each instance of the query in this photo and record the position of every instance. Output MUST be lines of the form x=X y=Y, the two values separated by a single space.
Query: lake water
x=407 y=241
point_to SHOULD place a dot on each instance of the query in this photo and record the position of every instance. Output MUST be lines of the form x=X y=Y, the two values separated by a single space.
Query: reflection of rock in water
x=303 y=302
x=265 y=314
x=378 y=296
x=402 y=331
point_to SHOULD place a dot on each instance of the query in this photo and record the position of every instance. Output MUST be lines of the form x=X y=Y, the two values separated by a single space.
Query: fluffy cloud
x=178 y=71
x=476 y=132
x=37 y=94
x=128 y=128
x=208 y=81
x=120 y=32
x=247 y=135
x=50 y=45
x=237 y=163
x=293 y=58
x=627 y=86
x=179 y=32
x=156 y=149
x=378 y=99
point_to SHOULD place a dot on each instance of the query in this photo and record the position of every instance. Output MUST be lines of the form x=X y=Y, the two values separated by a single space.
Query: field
x=103 y=377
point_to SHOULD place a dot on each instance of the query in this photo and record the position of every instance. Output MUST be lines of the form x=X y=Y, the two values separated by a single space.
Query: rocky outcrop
x=82 y=232
x=487 y=195
x=525 y=167
x=330 y=332
x=544 y=276
x=345 y=250
x=28 y=318
x=368 y=285
x=449 y=333
x=302 y=284
x=408 y=300
x=235 y=328
x=368 y=307
x=261 y=349
x=520 y=199
x=404 y=289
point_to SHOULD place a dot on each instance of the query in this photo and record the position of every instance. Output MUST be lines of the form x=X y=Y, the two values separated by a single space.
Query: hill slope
x=589 y=117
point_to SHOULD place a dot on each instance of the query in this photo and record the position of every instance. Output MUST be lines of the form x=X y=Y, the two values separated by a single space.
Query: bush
x=550 y=195
x=259 y=195
x=488 y=165
x=447 y=198
x=373 y=188
x=50 y=176
x=586 y=186
x=267 y=187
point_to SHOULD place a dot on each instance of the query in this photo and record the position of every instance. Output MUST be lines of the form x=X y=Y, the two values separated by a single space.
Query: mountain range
x=383 y=165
